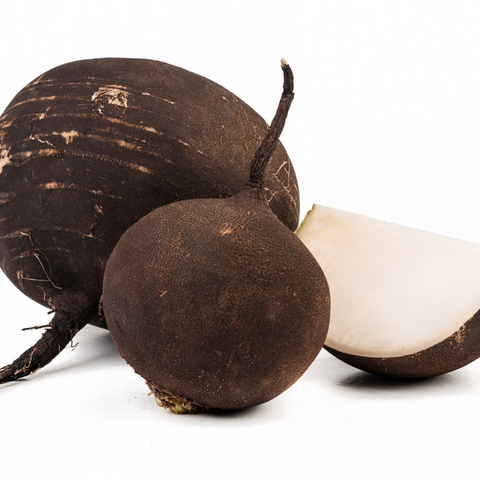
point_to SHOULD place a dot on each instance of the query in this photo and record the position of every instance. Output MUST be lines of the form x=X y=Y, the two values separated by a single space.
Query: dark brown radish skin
x=90 y=147
x=214 y=302
x=456 y=351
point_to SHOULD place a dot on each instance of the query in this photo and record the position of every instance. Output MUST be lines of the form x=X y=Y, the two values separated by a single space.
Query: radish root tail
x=58 y=334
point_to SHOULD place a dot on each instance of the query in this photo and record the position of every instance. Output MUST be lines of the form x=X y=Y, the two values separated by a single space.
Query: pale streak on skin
x=67 y=136
x=122 y=163
x=123 y=143
x=227 y=230
x=281 y=166
x=132 y=146
x=10 y=235
x=134 y=166
x=42 y=115
x=38 y=80
x=5 y=198
x=82 y=234
x=41 y=99
x=15 y=234
x=41 y=141
x=72 y=186
x=97 y=219
x=159 y=98
x=4 y=158
x=272 y=193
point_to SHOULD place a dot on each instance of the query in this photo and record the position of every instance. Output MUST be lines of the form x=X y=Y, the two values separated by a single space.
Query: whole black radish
x=90 y=147
x=215 y=302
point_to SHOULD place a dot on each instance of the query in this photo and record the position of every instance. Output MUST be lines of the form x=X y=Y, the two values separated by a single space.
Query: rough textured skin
x=91 y=146
x=216 y=301
x=456 y=351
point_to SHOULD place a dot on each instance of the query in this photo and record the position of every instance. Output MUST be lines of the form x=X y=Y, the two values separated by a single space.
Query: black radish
x=90 y=147
x=215 y=302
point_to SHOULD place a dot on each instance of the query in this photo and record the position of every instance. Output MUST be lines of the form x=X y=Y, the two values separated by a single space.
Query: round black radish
x=214 y=302
x=90 y=147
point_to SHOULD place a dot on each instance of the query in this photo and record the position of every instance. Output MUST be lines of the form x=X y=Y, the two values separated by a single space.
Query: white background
x=385 y=122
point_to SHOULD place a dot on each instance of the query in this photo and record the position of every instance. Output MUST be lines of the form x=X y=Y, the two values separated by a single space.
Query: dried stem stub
x=270 y=141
